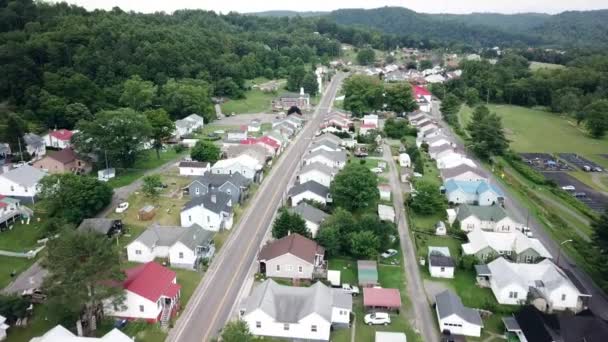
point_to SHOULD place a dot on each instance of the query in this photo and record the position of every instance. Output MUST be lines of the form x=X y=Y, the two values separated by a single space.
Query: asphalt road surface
x=212 y=302
x=424 y=321
x=599 y=301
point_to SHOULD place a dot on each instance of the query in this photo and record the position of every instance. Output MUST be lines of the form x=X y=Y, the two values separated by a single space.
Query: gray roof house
x=456 y=318
x=184 y=247
x=212 y=211
x=234 y=185
x=309 y=213
x=101 y=226
x=34 y=144
x=21 y=183
x=332 y=159
x=274 y=309
x=310 y=190
x=463 y=172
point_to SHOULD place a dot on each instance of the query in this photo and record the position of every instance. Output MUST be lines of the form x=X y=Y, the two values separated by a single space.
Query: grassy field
x=539 y=65
x=21 y=238
x=255 y=101
x=146 y=162
x=10 y=265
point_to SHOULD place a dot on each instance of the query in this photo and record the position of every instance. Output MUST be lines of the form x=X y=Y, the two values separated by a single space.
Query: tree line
x=366 y=94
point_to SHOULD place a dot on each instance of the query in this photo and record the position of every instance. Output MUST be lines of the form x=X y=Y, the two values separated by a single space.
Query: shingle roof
x=485 y=213
x=202 y=165
x=440 y=256
x=167 y=236
x=514 y=241
x=294 y=244
x=150 y=280
x=320 y=167
x=289 y=304
x=25 y=175
x=216 y=202
x=62 y=134
x=97 y=225
x=449 y=304
x=219 y=179
x=328 y=136
x=65 y=156
x=33 y=140
x=339 y=156
x=460 y=169
x=309 y=213
x=311 y=186
x=474 y=187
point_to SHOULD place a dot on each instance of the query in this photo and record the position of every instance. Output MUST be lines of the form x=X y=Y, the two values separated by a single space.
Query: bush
x=179 y=148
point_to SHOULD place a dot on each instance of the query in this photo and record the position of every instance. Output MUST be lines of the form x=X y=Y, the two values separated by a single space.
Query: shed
x=368 y=273
x=106 y=174
x=386 y=213
x=385 y=192
x=381 y=298
x=385 y=336
x=333 y=277
x=404 y=160
x=440 y=228
x=146 y=213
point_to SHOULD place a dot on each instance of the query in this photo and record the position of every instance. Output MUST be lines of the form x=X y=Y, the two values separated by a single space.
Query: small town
x=277 y=172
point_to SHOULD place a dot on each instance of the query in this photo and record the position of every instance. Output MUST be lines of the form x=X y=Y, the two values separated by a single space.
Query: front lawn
x=21 y=238
x=11 y=265
x=147 y=161
x=255 y=101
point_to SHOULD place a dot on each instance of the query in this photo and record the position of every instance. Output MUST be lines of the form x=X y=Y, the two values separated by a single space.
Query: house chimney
x=214 y=198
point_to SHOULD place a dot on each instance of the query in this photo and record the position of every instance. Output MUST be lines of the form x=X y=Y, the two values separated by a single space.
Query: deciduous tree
x=137 y=93
x=366 y=56
x=288 y=223
x=162 y=128
x=236 y=331
x=205 y=151
x=151 y=185
x=354 y=187
x=427 y=200
x=398 y=98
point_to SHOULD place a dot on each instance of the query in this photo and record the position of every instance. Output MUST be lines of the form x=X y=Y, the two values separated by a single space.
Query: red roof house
x=151 y=293
x=59 y=138
x=62 y=134
x=270 y=142
x=420 y=91
x=381 y=298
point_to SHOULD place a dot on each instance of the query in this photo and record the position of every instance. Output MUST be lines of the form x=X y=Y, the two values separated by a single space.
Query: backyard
x=146 y=162
x=255 y=100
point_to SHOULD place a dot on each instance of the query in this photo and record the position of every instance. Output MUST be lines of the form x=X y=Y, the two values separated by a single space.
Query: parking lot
x=545 y=162
x=593 y=199
x=580 y=162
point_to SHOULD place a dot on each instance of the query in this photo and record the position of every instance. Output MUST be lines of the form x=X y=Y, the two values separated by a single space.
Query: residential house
x=318 y=172
x=415 y=116
x=478 y=193
x=386 y=336
x=371 y=119
x=247 y=166
x=463 y=172
x=58 y=138
x=212 y=211
x=102 y=226
x=367 y=273
x=61 y=334
x=287 y=100
x=421 y=92
x=385 y=192
x=331 y=159
x=453 y=160
x=404 y=160
x=491 y=218
x=338 y=120
x=367 y=128
x=281 y=138
x=270 y=144
x=21 y=183
x=544 y=285
x=433 y=141
x=377 y=298
x=328 y=137
x=311 y=215
x=456 y=318
x=189 y=124
x=234 y=185
x=285 y=128
x=296 y=119
x=441 y=264
x=193 y=168
x=254 y=125
x=386 y=213
x=236 y=135
x=258 y=152
x=302 y=313
x=436 y=78
x=3 y=328
x=514 y=245
x=293 y=256
x=64 y=161
x=10 y=210
x=311 y=191
x=184 y=247
x=532 y=325
x=324 y=146
x=151 y=294
x=428 y=129
x=438 y=152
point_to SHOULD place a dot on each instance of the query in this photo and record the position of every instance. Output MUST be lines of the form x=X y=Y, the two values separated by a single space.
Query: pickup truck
x=350 y=289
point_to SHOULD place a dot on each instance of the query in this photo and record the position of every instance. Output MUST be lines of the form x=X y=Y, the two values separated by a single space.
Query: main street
x=598 y=302
x=211 y=304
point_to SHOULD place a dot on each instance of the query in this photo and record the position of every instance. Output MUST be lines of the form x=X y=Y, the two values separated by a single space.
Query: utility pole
x=20 y=151
x=559 y=250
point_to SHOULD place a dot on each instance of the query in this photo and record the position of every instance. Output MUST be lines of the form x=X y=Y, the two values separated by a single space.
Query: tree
x=599 y=226
x=366 y=56
x=425 y=64
x=82 y=272
x=486 y=134
x=331 y=239
x=13 y=307
x=449 y=109
x=72 y=197
x=13 y=132
x=397 y=128
x=162 y=128
x=364 y=244
x=382 y=230
x=205 y=151
x=288 y=223
x=137 y=93
x=399 y=98
x=120 y=134
x=75 y=112
x=236 y=331
x=363 y=94
x=355 y=187
x=151 y=185
x=427 y=200
x=310 y=85
x=186 y=96
x=296 y=77
x=471 y=97
x=597 y=118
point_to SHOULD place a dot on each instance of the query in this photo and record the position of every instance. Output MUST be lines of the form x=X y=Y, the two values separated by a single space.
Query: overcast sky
x=428 y=6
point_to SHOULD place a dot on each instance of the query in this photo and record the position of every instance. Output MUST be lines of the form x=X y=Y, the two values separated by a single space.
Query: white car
x=377 y=318
x=389 y=253
x=377 y=170
x=350 y=289
x=122 y=207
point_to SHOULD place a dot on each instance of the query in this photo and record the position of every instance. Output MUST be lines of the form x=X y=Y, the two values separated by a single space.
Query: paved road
x=212 y=302
x=599 y=301
x=424 y=321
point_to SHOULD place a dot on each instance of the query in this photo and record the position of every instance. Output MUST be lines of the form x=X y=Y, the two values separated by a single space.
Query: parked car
x=597 y=169
x=377 y=170
x=377 y=318
x=122 y=207
x=350 y=289
x=389 y=253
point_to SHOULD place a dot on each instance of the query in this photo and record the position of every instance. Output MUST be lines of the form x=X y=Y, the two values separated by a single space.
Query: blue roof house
x=472 y=192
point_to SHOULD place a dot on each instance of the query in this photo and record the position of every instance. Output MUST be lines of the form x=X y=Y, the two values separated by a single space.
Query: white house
x=184 y=247
x=3 y=328
x=331 y=159
x=404 y=160
x=386 y=213
x=59 y=138
x=328 y=137
x=370 y=119
x=318 y=172
x=463 y=172
x=151 y=294
x=514 y=245
x=34 y=145
x=479 y=193
x=325 y=146
x=453 y=160
x=244 y=164
x=254 y=125
x=193 y=168
x=294 y=257
x=305 y=313
x=21 y=183
x=313 y=216
x=433 y=141
x=11 y=209
x=189 y=124
x=544 y=284
x=441 y=264
x=212 y=211
x=310 y=190
x=456 y=318
x=490 y=218
x=61 y=334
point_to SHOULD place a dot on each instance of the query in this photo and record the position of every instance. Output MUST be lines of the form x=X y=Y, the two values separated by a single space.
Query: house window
x=141 y=308
x=289 y=268
x=470 y=226
x=12 y=188
x=563 y=297
x=258 y=324
x=181 y=255
x=228 y=191
x=208 y=219
x=528 y=258
x=313 y=328
x=189 y=218
x=138 y=252
x=197 y=190
x=443 y=269
x=286 y=326
x=278 y=268
x=300 y=269
x=513 y=294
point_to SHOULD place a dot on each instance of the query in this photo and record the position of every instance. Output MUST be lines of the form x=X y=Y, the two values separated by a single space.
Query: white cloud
x=428 y=6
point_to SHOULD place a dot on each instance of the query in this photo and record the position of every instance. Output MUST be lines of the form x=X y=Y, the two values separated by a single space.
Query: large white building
x=244 y=164
x=491 y=218
x=212 y=211
x=456 y=318
x=21 y=183
x=306 y=313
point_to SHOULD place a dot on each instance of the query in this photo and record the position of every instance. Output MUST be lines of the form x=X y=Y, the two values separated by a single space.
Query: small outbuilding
x=381 y=298
x=386 y=213
x=385 y=336
x=385 y=192
x=441 y=264
x=146 y=213
x=106 y=174
x=440 y=229
x=404 y=160
x=101 y=226
x=368 y=273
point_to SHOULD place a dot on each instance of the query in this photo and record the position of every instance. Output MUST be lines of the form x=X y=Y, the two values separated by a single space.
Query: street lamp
x=559 y=250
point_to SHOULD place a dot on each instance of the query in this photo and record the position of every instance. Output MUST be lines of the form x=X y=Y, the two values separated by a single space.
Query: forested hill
x=568 y=29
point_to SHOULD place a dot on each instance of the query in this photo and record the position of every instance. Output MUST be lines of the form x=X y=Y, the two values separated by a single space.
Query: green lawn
x=21 y=238
x=10 y=265
x=255 y=101
x=145 y=162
